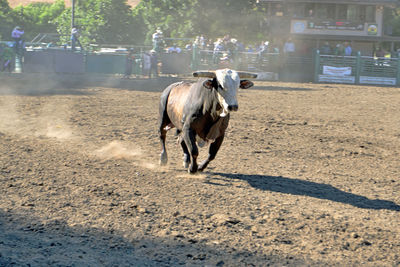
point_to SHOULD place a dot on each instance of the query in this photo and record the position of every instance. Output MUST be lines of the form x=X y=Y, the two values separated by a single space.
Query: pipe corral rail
x=112 y=59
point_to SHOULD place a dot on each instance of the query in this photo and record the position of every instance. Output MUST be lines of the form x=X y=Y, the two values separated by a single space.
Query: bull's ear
x=244 y=84
x=208 y=84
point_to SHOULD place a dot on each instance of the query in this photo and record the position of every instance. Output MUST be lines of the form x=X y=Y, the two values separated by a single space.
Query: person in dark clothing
x=130 y=59
x=7 y=58
x=326 y=49
x=153 y=64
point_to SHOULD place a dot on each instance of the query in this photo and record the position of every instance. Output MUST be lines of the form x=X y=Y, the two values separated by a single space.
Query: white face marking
x=229 y=80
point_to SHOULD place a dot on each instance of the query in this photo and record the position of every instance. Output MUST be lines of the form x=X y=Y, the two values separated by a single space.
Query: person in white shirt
x=75 y=38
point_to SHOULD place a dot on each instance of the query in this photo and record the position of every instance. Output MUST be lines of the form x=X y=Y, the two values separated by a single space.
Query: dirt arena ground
x=308 y=175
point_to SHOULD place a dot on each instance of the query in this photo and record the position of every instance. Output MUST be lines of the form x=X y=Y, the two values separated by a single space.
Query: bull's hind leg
x=163 y=155
x=164 y=126
x=212 y=152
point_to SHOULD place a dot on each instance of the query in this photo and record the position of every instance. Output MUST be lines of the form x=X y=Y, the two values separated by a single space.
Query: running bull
x=200 y=112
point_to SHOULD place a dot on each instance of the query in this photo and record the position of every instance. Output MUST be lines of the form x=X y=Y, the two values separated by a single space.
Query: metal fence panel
x=175 y=63
x=338 y=61
x=364 y=70
x=68 y=62
x=38 y=61
x=107 y=64
x=381 y=67
x=296 y=69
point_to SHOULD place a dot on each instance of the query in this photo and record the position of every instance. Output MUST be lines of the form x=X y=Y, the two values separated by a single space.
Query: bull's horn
x=246 y=75
x=205 y=73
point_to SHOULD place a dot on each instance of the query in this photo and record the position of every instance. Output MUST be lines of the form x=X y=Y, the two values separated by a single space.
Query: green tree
x=38 y=18
x=188 y=18
x=391 y=19
x=100 y=21
x=6 y=24
x=174 y=17
x=235 y=18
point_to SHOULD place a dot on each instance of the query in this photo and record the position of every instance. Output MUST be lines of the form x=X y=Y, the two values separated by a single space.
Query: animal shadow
x=299 y=187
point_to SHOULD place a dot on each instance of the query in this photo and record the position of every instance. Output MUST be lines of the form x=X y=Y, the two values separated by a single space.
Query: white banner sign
x=378 y=80
x=336 y=71
x=336 y=79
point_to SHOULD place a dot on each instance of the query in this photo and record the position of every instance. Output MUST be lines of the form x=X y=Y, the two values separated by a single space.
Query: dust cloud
x=59 y=131
x=117 y=150
x=8 y=116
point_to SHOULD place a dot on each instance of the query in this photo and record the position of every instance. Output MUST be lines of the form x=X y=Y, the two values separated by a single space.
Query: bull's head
x=226 y=83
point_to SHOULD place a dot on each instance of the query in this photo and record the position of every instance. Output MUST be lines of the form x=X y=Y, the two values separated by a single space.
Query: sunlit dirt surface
x=309 y=174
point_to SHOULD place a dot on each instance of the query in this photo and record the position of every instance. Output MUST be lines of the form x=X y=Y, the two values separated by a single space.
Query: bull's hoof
x=192 y=169
x=191 y=172
x=186 y=161
x=203 y=165
x=163 y=159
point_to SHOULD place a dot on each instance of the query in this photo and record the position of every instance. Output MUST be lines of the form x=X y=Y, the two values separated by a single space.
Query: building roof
x=363 y=2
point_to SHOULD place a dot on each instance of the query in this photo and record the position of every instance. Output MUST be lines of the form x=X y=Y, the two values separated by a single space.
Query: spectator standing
x=7 y=57
x=129 y=63
x=289 y=47
x=188 y=47
x=17 y=35
x=264 y=47
x=380 y=52
x=218 y=49
x=174 y=49
x=339 y=50
x=326 y=49
x=347 y=49
x=202 y=41
x=75 y=38
x=146 y=63
x=158 y=40
x=153 y=64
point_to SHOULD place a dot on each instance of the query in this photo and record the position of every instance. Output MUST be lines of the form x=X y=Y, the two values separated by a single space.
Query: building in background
x=314 y=23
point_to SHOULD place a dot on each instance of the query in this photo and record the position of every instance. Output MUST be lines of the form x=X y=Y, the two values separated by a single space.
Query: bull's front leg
x=212 y=152
x=186 y=154
x=189 y=137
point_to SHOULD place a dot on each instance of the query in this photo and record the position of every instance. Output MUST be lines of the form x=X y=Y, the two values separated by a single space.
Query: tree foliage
x=100 y=21
x=5 y=18
x=38 y=18
x=184 y=18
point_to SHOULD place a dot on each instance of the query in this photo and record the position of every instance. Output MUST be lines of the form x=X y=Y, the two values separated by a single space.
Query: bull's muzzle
x=233 y=107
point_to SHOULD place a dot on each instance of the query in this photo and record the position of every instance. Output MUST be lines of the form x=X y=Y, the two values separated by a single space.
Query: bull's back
x=177 y=98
